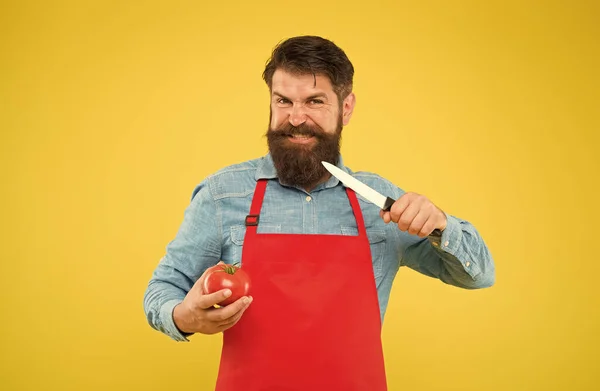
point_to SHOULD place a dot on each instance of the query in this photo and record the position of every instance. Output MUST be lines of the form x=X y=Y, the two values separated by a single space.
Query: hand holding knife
x=412 y=212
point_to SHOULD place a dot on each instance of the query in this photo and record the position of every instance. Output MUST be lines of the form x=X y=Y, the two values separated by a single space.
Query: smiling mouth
x=300 y=138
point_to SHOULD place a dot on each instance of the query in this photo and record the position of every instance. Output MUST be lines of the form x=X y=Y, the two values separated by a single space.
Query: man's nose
x=297 y=116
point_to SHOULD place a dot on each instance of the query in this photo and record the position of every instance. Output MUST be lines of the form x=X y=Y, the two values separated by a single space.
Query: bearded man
x=321 y=259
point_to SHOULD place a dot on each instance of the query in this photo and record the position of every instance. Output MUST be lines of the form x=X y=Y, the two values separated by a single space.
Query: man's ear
x=348 y=108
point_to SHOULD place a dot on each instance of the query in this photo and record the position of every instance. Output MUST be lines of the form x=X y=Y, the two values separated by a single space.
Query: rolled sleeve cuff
x=168 y=324
x=450 y=242
x=451 y=236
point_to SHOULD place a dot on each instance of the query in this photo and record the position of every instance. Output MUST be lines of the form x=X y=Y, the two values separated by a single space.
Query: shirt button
x=468 y=264
x=308 y=198
x=447 y=243
x=435 y=244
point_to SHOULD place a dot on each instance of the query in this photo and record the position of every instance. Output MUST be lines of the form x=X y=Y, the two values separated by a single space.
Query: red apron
x=314 y=323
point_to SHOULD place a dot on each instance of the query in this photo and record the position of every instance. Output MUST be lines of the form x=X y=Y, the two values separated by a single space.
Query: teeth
x=299 y=136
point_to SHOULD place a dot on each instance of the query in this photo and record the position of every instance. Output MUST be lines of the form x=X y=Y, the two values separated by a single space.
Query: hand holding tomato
x=198 y=314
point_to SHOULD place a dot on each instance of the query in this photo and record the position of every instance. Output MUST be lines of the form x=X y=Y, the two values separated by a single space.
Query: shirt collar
x=266 y=170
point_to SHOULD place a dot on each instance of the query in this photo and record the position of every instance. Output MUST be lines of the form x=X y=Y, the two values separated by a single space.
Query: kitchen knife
x=370 y=194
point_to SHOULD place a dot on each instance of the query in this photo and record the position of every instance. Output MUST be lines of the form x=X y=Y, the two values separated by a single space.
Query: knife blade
x=372 y=195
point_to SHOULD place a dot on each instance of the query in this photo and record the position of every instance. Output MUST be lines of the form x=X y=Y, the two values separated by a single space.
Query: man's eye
x=316 y=101
x=283 y=101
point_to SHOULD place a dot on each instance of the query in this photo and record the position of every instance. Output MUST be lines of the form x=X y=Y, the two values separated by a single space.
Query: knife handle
x=388 y=205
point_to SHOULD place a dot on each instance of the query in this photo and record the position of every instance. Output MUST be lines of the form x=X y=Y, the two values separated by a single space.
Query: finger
x=408 y=216
x=230 y=324
x=234 y=319
x=208 y=301
x=442 y=221
x=385 y=216
x=400 y=206
x=223 y=320
x=225 y=313
x=417 y=224
x=427 y=228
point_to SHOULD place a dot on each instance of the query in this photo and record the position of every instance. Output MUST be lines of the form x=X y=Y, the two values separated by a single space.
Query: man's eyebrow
x=317 y=95
x=280 y=95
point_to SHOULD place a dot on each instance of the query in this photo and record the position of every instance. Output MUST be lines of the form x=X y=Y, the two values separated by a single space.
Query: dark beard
x=300 y=165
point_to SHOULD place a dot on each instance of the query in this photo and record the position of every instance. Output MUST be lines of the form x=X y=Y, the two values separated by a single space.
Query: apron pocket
x=377 y=244
x=237 y=234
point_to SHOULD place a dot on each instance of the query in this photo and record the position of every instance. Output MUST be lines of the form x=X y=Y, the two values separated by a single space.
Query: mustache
x=302 y=130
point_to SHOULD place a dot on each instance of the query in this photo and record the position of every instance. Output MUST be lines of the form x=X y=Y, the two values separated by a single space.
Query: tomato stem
x=230 y=269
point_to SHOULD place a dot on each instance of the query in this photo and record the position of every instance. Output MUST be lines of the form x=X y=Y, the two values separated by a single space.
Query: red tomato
x=225 y=276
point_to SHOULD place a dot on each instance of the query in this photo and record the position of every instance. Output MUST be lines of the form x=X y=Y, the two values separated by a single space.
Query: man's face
x=305 y=126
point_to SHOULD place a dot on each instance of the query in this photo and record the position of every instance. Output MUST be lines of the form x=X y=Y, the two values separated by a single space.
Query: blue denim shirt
x=213 y=229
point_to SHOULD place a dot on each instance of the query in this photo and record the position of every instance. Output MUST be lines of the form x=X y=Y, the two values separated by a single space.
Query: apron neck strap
x=257 y=200
x=357 y=212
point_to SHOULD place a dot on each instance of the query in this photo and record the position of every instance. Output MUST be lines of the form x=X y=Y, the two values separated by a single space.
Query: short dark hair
x=312 y=55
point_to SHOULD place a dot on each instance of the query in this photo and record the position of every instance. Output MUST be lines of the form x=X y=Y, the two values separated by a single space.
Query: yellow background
x=111 y=112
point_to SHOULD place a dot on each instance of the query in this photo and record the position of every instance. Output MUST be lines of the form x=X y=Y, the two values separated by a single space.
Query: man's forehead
x=308 y=83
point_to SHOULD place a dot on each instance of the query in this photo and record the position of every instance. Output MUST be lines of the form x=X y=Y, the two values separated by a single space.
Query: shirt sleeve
x=196 y=247
x=459 y=256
